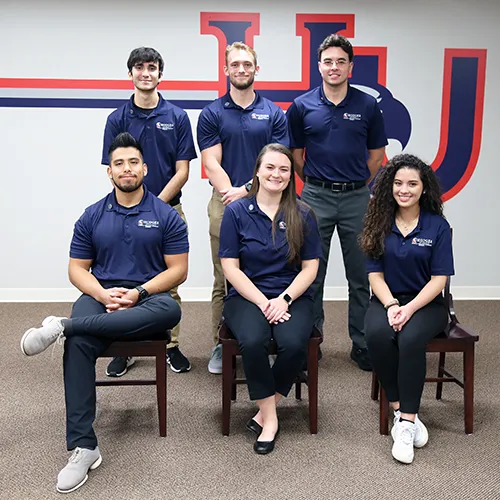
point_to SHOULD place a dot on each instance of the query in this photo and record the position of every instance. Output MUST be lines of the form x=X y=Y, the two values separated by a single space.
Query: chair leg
x=161 y=389
x=312 y=386
x=375 y=386
x=469 y=389
x=233 y=386
x=298 y=387
x=439 y=386
x=384 y=413
x=227 y=383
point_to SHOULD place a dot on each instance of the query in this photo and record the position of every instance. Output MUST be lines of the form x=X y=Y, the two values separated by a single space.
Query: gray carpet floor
x=347 y=459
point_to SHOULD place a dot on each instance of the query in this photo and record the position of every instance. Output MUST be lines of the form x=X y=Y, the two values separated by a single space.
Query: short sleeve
x=207 y=131
x=295 y=127
x=311 y=248
x=377 y=137
x=175 y=235
x=82 y=246
x=280 y=128
x=229 y=236
x=185 y=142
x=442 y=253
x=374 y=265
x=111 y=130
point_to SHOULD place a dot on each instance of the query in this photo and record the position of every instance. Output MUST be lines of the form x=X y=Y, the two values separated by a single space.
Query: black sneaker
x=362 y=358
x=177 y=361
x=118 y=366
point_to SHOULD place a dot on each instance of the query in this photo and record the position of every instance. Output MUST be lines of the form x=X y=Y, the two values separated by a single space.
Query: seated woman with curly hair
x=408 y=244
x=270 y=249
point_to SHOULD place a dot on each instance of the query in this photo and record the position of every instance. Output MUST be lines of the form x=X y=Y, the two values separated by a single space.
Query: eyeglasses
x=339 y=63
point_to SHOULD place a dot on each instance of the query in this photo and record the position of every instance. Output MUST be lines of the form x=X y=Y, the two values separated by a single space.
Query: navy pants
x=254 y=332
x=399 y=358
x=88 y=334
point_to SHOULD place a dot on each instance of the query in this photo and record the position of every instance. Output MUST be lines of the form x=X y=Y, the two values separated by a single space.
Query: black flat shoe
x=254 y=427
x=265 y=447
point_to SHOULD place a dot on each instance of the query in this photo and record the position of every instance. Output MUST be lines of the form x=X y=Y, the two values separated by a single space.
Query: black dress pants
x=254 y=333
x=88 y=334
x=398 y=358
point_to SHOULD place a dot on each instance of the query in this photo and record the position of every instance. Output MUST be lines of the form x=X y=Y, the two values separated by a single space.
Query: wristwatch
x=288 y=299
x=248 y=186
x=143 y=293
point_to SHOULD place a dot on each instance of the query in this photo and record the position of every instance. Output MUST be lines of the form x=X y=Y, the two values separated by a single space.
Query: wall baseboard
x=203 y=294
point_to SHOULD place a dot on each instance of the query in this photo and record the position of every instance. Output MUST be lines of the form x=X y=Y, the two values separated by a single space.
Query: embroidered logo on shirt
x=282 y=225
x=421 y=242
x=259 y=116
x=353 y=117
x=164 y=126
x=148 y=224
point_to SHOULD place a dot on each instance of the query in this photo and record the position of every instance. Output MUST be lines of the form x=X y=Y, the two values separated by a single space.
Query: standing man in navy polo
x=164 y=132
x=231 y=132
x=342 y=132
x=128 y=250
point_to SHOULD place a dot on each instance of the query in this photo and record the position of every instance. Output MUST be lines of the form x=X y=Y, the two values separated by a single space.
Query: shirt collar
x=417 y=229
x=258 y=103
x=144 y=205
x=322 y=99
x=133 y=110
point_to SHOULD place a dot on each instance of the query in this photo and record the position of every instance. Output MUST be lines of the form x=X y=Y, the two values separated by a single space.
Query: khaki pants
x=215 y=213
x=175 y=331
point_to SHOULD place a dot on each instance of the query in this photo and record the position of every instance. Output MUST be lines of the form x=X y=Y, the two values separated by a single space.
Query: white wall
x=51 y=156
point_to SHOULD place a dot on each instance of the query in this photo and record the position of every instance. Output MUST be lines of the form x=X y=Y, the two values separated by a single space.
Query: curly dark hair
x=382 y=206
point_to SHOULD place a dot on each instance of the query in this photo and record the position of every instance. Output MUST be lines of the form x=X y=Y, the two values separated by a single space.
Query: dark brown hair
x=382 y=206
x=290 y=208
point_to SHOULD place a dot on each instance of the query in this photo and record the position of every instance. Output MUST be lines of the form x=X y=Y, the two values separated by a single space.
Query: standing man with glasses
x=341 y=130
x=164 y=132
x=231 y=132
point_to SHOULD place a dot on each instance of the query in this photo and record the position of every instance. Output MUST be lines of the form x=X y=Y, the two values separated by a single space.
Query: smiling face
x=334 y=66
x=241 y=69
x=145 y=76
x=274 y=172
x=407 y=187
x=127 y=169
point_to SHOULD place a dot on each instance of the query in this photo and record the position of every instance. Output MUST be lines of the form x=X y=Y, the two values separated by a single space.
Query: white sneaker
x=36 y=340
x=402 y=449
x=421 y=434
x=75 y=473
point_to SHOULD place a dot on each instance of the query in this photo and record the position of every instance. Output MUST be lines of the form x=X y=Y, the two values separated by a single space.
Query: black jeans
x=398 y=358
x=254 y=333
x=88 y=334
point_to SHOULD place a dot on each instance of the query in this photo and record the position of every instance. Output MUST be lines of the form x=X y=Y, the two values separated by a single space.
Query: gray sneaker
x=75 y=473
x=36 y=340
x=215 y=362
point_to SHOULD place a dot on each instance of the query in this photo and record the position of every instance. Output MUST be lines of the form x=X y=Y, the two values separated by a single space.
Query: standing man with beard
x=231 y=132
x=164 y=132
x=128 y=250
x=341 y=130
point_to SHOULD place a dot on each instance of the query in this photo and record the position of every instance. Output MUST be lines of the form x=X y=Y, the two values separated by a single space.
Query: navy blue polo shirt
x=164 y=134
x=246 y=234
x=409 y=262
x=242 y=133
x=336 y=138
x=128 y=243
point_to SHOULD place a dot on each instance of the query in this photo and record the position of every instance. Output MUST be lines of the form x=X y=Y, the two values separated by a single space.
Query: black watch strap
x=143 y=293
x=288 y=299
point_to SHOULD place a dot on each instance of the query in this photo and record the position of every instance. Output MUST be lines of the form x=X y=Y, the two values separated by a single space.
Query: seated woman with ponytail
x=408 y=244
x=270 y=249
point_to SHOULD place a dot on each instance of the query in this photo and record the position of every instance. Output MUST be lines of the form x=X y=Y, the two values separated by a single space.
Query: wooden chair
x=230 y=350
x=455 y=338
x=157 y=348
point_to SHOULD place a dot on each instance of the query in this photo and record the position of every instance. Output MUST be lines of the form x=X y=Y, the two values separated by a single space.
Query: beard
x=128 y=188
x=242 y=85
